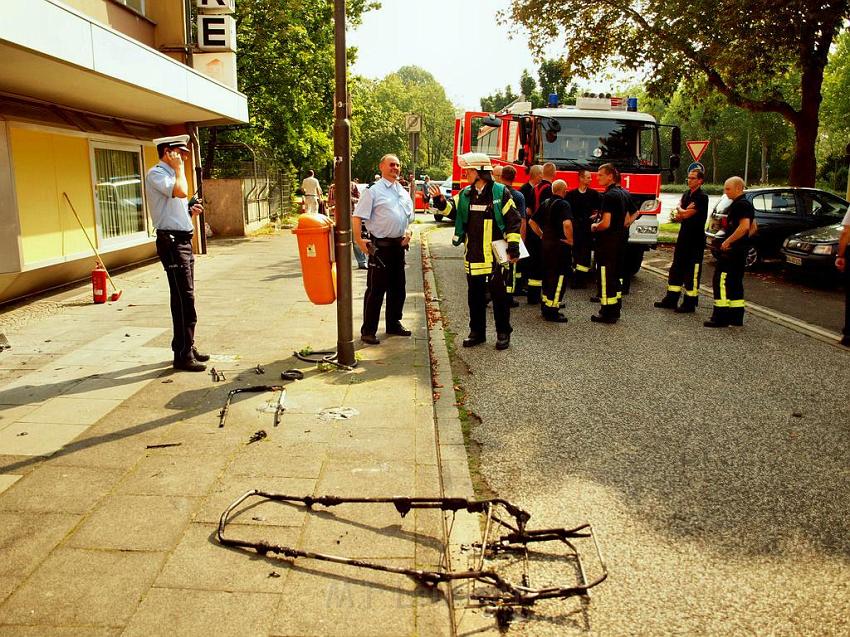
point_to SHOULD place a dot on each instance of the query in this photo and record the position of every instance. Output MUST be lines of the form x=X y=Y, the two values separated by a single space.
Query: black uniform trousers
x=385 y=276
x=532 y=267
x=686 y=270
x=608 y=262
x=846 y=330
x=728 y=284
x=174 y=249
x=582 y=246
x=477 y=286
x=557 y=260
x=622 y=264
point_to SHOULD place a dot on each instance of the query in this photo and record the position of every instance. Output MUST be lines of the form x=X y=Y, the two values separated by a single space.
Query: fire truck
x=597 y=130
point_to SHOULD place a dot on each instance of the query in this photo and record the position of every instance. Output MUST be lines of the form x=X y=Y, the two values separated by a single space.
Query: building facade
x=85 y=86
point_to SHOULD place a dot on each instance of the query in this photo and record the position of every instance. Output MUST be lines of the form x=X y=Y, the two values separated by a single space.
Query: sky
x=458 y=41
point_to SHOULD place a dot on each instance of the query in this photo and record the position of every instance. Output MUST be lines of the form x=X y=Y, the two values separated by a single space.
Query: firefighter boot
x=669 y=302
x=474 y=339
x=736 y=316
x=719 y=318
x=688 y=306
x=503 y=341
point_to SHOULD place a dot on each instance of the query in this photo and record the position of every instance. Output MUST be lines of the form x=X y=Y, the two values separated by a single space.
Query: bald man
x=731 y=252
x=556 y=220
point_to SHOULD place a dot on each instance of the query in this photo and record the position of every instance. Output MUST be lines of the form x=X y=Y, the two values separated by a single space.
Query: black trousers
x=175 y=253
x=582 y=246
x=728 y=284
x=686 y=270
x=557 y=258
x=476 y=298
x=532 y=267
x=608 y=262
x=385 y=277
x=846 y=330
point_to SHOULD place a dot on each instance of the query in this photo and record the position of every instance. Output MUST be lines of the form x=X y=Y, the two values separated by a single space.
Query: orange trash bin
x=315 y=247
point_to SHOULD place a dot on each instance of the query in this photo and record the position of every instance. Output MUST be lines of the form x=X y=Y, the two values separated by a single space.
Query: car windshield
x=721 y=206
x=594 y=141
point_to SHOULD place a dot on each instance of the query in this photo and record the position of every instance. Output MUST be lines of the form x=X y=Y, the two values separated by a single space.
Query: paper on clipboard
x=500 y=251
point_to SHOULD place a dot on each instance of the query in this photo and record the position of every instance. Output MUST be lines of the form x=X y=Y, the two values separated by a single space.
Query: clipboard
x=500 y=251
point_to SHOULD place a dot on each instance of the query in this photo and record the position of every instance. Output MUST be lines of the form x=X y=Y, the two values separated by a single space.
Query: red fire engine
x=597 y=130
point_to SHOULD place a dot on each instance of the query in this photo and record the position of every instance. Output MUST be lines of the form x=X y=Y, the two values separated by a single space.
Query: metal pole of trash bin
x=342 y=179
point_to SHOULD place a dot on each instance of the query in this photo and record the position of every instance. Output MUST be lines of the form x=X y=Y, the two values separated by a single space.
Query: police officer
x=731 y=253
x=608 y=232
x=584 y=202
x=168 y=192
x=388 y=210
x=686 y=269
x=484 y=212
x=556 y=221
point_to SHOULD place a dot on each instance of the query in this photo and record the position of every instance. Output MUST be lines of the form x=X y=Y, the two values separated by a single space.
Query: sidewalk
x=102 y=535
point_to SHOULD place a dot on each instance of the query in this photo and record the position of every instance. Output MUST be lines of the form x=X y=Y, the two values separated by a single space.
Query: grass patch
x=668 y=232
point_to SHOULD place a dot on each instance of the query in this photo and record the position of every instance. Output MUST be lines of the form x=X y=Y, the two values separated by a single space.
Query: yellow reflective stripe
x=558 y=291
x=603 y=297
x=738 y=303
x=477 y=268
x=488 y=240
x=695 y=286
x=513 y=237
x=536 y=283
x=724 y=301
x=508 y=206
x=674 y=288
x=582 y=268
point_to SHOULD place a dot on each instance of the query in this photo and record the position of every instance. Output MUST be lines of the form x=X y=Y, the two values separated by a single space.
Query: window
x=627 y=144
x=135 y=5
x=485 y=139
x=822 y=205
x=118 y=192
x=776 y=203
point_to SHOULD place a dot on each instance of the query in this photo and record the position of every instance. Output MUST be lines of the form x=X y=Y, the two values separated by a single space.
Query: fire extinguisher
x=98 y=283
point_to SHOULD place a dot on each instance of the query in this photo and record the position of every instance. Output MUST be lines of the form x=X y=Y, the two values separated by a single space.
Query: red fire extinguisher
x=98 y=283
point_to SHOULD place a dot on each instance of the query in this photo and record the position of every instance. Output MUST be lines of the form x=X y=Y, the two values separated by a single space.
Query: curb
x=802 y=327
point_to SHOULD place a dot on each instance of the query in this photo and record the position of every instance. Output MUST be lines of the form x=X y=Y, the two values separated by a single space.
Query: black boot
x=669 y=302
x=719 y=318
x=474 y=339
x=688 y=306
x=503 y=341
x=736 y=316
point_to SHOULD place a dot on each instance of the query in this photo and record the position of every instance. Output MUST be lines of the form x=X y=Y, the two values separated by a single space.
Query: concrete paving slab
x=135 y=523
x=71 y=411
x=7 y=481
x=37 y=439
x=200 y=562
x=75 y=587
x=363 y=531
x=190 y=613
x=108 y=388
x=58 y=631
x=55 y=489
x=10 y=413
x=375 y=444
x=7 y=585
x=27 y=390
x=273 y=459
x=332 y=600
x=19 y=465
x=265 y=512
x=98 y=448
x=27 y=538
x=162 y=474
x=371 y=479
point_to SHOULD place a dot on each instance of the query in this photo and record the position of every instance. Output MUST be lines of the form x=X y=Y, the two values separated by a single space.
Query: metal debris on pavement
x=281 y=406
x=4 y=342
x=255 y=389
x=292 y=374
x=164 y=445
x=497 y=591
x=259 y=369
x=217 y=375
x=257 y=436
x=338 y=413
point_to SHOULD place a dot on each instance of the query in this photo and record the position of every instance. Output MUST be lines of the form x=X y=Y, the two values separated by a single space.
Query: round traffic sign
x=696 y=166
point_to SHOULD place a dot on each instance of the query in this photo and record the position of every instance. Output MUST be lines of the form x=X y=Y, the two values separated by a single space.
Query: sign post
x=413 y=125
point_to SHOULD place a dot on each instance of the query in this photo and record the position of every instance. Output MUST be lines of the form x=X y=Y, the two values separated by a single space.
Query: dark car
x=813 y=250
x=780 y=212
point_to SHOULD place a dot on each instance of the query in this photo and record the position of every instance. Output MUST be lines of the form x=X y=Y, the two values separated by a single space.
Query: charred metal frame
x=516 y=540
x=255 y=389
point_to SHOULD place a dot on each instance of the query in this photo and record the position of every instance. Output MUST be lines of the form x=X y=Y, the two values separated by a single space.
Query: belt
x=179 y=234
x=387 y=241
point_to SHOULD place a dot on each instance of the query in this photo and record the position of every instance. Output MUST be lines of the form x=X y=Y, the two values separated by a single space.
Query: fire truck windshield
x=589 y=142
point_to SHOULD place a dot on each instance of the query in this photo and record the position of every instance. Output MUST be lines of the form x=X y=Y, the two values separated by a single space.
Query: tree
x=498 y=100
x=835 y=114
x=740 y=47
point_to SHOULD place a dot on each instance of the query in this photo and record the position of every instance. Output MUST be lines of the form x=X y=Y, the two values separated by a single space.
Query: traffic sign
x=696 y=149
x=413 y=123
x=696 y=166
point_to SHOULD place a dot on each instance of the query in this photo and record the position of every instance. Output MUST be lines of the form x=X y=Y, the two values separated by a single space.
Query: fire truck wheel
x=634 y=259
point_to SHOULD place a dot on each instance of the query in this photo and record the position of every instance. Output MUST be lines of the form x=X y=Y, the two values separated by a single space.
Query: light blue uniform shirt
x=387 y=209
x=167 y=212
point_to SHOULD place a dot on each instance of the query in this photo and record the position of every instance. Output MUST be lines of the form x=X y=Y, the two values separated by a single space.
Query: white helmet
x=476 y=161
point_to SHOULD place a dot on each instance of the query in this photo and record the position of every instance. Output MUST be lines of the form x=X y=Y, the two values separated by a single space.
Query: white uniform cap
x=476 y=161
x=180 y=142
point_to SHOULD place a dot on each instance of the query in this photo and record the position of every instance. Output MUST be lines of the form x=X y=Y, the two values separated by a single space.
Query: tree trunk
x=714 y=161
x=803 y=167
x=764 y=149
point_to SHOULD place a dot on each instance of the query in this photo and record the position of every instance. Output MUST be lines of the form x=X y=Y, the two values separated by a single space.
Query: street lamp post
x=342 y=186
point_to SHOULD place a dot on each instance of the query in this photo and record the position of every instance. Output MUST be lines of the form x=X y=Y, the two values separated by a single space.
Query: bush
x=709 y=189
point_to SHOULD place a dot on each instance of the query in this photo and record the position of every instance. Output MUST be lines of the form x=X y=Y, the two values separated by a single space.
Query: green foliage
x=553 y=76
x=496 y=101
x=286 y=69
x=377 y=122
x=765 y=56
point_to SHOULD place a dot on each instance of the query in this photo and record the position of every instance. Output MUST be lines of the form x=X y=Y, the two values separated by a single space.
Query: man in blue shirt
x=167 y=191
x=388 y=210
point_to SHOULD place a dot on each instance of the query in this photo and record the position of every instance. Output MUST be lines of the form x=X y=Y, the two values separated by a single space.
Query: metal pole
x=342 y=186
x=747 y=159
x=199 y=185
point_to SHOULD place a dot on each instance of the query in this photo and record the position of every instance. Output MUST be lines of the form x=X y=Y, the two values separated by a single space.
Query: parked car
x=780 y=212
x=813 y=250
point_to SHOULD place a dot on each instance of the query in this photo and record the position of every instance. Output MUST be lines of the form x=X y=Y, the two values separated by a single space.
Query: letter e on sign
x=216 y=33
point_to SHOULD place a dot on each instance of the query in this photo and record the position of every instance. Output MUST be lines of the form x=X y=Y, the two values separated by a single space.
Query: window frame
x=127 y=240
x=772 y=210
x=142 y=11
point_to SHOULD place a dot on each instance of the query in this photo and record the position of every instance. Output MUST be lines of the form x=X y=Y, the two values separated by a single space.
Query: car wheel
x=438 y=217
x=753 y=258
x=634 y=259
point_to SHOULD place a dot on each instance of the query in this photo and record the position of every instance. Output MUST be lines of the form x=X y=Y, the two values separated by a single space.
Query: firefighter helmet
x=476 y=161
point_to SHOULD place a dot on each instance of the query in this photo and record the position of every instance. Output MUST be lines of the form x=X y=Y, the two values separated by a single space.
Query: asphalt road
x=713 y=464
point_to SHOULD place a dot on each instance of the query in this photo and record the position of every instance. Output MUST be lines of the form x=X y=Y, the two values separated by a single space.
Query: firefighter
x=505 y=175
x=692 y=213
x=584 y=202
x=608 y=232
x=730 y=250
x=484 y=212
x=532 y=266
x=555 y=218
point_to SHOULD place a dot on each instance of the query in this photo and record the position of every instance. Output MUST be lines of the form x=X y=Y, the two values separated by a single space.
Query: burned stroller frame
x=506 y=594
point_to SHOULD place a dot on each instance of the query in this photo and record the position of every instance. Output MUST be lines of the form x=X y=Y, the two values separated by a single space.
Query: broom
x=116 y=294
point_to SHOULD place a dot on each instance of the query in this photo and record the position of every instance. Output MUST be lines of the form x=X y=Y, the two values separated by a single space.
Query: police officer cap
x=180 y=142
x=476 y=161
